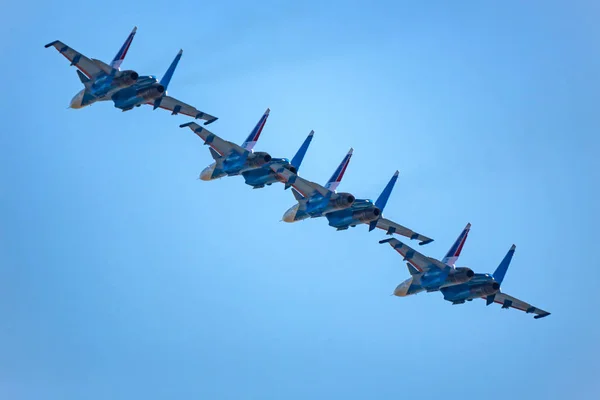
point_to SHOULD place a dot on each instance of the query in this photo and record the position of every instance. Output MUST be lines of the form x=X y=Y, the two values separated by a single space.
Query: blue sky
x=123 y=276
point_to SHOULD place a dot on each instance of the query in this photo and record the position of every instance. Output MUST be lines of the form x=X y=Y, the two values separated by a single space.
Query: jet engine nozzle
x=152 y=92
x=459 y=275
x=368 y=215
x=486 y=289
x=292 y=169
x=343 y=200
x=125 y=78
x=258 y=159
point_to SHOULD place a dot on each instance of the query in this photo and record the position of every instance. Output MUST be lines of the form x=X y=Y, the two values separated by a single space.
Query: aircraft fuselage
x=481 y=285
x=362 y=211
x=319 y=205
x=235 y=164
x=259 y=177
x=147 y=89
x=103 y=88
x=434 y=280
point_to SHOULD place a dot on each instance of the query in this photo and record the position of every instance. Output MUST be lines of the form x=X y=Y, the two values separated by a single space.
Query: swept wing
x=391 y=227
x=421 y=262
x=306 y=188
x=179 y=107
x=221 y=146
x=89 y=67
x=508 y=301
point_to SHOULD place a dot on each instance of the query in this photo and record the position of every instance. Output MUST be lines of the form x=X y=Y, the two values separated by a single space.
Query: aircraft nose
x=206 y=174
x=402 y=289
x=77 y=100
x=290 y=215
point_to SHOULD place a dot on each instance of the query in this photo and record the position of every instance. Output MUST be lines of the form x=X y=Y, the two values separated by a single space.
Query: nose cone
x=402 y=289
x=77 y=101
x=290 y=215
x=207 y=173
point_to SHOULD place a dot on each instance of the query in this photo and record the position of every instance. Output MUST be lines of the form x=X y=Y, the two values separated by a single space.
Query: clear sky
x=122 y=276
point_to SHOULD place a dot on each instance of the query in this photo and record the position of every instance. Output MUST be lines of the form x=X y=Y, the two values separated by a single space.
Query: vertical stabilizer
x=503 y=267
x=255 y=133
x=169 y=74
x=297 y=160
x=116 y=62
x=383 y=199
x=387 y=191
x=337 y=176
x=454 y=252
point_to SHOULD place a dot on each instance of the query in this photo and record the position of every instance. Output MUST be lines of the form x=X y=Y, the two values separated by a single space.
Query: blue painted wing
x=512 y=302
x=179 y=107
x=89 y=67
x=391 y=227
x=421 y=262
x=223 y=147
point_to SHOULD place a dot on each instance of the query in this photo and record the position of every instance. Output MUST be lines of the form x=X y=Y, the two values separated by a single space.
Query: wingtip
x=180 y=52
x=424 y=242
x=396 y=173
x=268 y=111
x=50 y=44
x=513 y=247
x=468 y=226
x=385 y=240
x=350 y=151
x=186 y=124
x=134 y=30
x=311 y=133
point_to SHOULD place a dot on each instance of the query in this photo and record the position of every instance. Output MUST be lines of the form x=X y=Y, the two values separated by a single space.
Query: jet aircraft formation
x=127 y=89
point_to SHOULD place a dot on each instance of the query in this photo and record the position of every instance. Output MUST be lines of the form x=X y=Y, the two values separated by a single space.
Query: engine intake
x=367 y=215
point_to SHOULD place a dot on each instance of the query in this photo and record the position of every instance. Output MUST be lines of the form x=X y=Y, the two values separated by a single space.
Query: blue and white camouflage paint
x=457 y=284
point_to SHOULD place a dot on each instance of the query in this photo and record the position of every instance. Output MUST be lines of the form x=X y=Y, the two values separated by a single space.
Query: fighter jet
x=257 y=168
x=457 y=284
x=101 y=81
x=342 y=210
x=125 y=88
